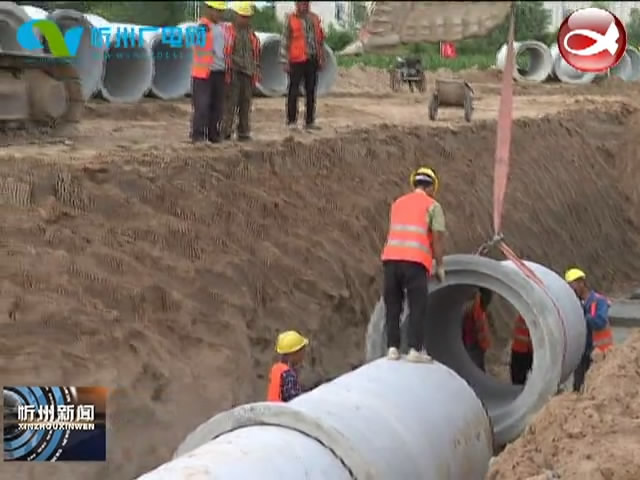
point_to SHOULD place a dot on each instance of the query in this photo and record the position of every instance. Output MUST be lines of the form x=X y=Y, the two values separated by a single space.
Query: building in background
x=560 y=10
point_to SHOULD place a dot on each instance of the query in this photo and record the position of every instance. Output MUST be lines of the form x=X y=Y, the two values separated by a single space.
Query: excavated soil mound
x=592 y=436
x=166 y=277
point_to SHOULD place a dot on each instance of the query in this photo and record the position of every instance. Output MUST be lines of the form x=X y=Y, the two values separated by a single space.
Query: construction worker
x=475 y=327
x=415 y=239
x=521 y=352
x=283 y=378
x=302 y=56
x=243 y=70
x=207 y=72
x=596 y=314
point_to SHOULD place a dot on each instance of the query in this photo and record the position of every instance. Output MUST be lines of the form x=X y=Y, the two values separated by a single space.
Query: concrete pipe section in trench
x=553 y=315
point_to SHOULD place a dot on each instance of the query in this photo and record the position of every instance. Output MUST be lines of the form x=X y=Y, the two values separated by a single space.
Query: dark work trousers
x=207 y=97
x=581 y=371
x=401 y=276
x=239 y=96
x=521 y=363
x=217 y=105
x=476 y=354
x=299 y=73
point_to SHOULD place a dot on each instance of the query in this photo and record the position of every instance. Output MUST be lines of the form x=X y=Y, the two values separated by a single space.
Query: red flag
x=448 y=50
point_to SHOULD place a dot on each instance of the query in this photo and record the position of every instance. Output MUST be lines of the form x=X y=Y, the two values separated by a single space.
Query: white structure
x=560 y=10
x=338 y=14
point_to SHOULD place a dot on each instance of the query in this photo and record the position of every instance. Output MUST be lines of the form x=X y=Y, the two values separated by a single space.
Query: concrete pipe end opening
x=128 y=72
x=557 y=340
x=634 y=57
x=624 y=69
x=89 y=60
x=274 y=79
x=565 y=72
x=534 y=62
x=171 y=68
x=11 y=17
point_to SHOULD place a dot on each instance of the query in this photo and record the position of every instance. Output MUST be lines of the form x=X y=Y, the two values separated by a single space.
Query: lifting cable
x=501 y=171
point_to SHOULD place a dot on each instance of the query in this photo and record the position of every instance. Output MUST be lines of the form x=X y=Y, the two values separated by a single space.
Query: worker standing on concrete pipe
x=475 y=327
x=302 y=56
x=243 y=71
x=207 y=75
x=521 y=352
x=284 y=384
x=596 y=314
x=415 y=239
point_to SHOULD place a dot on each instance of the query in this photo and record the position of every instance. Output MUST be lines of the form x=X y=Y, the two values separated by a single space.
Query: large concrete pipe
x=11 y=17
x=89 y=60
x=539 y=61
x=128 y=66
x=171 y=64
x=558 y=335
x=634 y=58
x=624 y=69
x=384 y=421
x=565 y=72
x=274 y=79
x=35 y=13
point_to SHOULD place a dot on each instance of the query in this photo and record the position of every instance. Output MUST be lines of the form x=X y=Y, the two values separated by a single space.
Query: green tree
x=633 y=28
x=338 y=38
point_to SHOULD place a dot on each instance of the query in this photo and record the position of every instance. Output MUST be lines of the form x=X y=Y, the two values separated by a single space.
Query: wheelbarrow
x=451 y=93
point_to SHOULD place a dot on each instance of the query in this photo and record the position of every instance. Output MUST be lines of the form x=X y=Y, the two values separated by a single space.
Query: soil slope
x=166 y=275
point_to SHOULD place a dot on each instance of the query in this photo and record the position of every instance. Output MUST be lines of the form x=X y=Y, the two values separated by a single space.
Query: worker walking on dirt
x=475 y=327
x=207 y=74
x=596 y=314
x=521 y=352
x=243 y=71
x=283 y=378
x=302 y=56
x=415 y=239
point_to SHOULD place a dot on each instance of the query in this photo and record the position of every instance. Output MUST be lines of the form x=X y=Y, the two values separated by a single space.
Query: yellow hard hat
x=574 y=274
x=217 y=5
x=244 y=9
x=421 y=174
x=290 y=342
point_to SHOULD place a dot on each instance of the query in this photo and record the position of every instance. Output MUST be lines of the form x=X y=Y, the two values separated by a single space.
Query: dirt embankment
x=166 y=276
x=592 y=436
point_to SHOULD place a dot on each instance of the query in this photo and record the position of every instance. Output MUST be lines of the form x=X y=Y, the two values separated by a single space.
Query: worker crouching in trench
x=243 y=71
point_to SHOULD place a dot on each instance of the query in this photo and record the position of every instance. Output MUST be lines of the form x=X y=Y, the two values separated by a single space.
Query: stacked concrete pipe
x=11 y=17
x=558 y=334
x=384 y=421
x=540 y=61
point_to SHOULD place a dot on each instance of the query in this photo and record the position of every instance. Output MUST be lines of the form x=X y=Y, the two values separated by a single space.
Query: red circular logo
x=592 y=40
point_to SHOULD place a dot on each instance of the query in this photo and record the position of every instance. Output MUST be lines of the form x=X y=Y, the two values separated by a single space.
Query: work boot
x=245 y=137
x=393 y=354
x=418 y=357
x=311 y=126
x=292 y=126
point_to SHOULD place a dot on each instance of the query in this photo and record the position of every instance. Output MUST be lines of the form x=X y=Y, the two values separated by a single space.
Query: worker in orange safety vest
x=208 y=76
x=521 y=352
x=475 y=327
x=284 y=384
x=596 y=313
x=302 y=57
x=414 y=241
x=242 y=53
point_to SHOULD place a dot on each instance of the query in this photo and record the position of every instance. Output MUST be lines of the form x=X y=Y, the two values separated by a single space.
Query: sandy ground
x=164 y=271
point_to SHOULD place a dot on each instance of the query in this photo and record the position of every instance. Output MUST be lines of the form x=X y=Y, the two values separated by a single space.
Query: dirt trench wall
x=167 y=277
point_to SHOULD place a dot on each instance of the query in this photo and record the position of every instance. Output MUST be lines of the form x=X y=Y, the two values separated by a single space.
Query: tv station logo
x=592 y=40
x=54 y=423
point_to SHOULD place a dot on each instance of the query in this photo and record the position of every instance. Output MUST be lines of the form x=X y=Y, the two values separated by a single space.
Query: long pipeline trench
x=389 y=420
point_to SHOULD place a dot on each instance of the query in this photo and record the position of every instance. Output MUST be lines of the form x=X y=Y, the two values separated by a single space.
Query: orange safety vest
x=203 y=56
x=228 y=52
x=298 y=41
x=410 y=238
x=521 y=338
x=603 y=338
x=274 y=391
x=475 y=327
